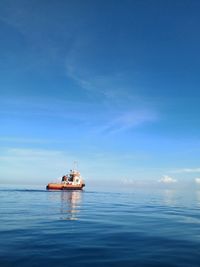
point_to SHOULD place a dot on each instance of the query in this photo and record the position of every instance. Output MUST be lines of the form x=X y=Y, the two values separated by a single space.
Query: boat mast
x=75 y=166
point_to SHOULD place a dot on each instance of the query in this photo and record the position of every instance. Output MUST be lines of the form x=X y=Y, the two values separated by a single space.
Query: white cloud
x=167 y=180
x=197 y=180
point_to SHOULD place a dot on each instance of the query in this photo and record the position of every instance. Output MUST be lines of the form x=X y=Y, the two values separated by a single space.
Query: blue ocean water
x=93 y=228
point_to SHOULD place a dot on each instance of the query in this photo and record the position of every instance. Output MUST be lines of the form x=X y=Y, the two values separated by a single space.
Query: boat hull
x=52 y=186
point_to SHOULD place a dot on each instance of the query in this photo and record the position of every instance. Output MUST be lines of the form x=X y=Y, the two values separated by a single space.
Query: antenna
x=76 y=165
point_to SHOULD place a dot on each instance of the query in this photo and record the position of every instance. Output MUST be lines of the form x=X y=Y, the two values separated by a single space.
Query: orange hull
x=52 y=186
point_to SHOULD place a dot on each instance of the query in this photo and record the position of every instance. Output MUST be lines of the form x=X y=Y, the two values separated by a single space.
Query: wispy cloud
x=83 y=113
x=28 y=140
x=114 y=86
x=167 y=180
x=113 y=91
x=33 y=165
x=109 y=87
x=186 y=170
x=129 y=120
x=122 y=105
x=26 y=156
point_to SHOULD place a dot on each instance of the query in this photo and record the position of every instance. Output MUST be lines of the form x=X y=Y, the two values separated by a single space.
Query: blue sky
x=111 y=84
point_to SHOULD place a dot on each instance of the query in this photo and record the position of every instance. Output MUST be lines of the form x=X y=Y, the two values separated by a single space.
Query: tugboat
x=71 y=181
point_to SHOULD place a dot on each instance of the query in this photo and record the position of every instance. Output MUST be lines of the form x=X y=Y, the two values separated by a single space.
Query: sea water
x=93 y=228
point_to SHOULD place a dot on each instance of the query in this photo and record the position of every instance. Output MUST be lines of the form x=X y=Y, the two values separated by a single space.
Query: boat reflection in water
x=70 y=204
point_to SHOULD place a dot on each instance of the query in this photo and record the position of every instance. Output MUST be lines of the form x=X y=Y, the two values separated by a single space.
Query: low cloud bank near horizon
x=30 y=165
